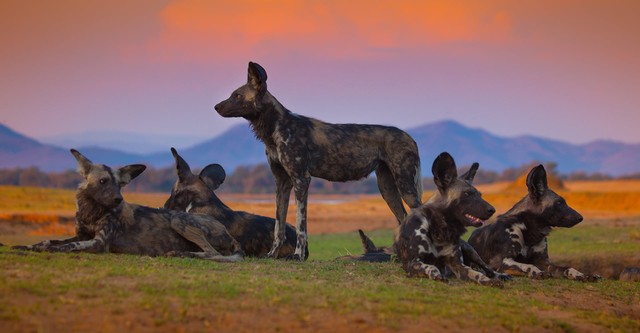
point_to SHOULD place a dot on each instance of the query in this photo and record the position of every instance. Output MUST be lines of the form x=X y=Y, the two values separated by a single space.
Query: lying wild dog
x=373 y=253
x=429 y=241
x=107 y=223
x=517 y=242
x=299 y=147
x=196 y=194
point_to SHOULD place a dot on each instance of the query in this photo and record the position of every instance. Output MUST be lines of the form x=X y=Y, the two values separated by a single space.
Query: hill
x=238 y=146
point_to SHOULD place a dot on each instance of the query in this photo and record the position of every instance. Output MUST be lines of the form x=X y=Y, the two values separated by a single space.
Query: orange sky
x=562 y=69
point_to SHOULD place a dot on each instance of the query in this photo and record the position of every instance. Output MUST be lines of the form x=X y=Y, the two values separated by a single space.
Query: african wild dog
x=107 y=223
x=429 y=243
x=299 y=147
x=196 y=194
x=517 y=242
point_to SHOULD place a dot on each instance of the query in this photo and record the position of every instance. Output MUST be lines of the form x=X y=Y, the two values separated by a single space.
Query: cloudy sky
x=567 y=70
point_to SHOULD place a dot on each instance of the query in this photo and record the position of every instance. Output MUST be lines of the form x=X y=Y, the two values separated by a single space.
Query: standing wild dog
x=107 y=223
x=429 y=241
x=196 y=194
x=299 y=147
x=517 y=242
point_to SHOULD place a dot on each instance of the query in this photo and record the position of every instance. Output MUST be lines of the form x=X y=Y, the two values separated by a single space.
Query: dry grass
x=51 y=210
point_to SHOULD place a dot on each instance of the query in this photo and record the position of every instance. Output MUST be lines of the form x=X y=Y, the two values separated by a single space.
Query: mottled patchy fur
x=299 y=147
x=429 y=244
x=107 y=223
x=197 y=194
x=517 y=242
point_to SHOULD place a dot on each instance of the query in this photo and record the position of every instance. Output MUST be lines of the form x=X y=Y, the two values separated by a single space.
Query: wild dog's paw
x=588 y=278
x=440 y=278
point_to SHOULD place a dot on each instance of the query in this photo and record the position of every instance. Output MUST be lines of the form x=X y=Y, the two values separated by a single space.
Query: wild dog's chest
x=519 y=246
x=428 y=246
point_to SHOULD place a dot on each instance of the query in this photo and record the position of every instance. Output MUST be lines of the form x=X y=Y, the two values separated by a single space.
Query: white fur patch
x=572 y=273
x=189 y=207
x=530 y=270
x=516 y=230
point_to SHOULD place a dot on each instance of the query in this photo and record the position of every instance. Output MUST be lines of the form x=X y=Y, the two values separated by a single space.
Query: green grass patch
x=170 y=291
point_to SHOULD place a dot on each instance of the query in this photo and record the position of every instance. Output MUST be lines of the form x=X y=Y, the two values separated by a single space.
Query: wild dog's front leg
x=45 y=245
x=283 y=192
x=417 y=268
x=454 y=260
x=472 y=258
x=301 y=189
x=100 y=243
x=510 y=266
x=570 y=273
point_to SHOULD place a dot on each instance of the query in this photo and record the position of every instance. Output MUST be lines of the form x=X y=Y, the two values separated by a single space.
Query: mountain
x=493 y=152
x=238 y=146
x=17 y=150
x=133 y=143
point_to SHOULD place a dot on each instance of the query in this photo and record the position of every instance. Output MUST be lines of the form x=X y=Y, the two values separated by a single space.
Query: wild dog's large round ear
x=471 y=173
x=444 y=171
x=213 y=175
x=127 y=173
x=84 y=164
x=537 y=181
x=257 y=77
x=182 y=167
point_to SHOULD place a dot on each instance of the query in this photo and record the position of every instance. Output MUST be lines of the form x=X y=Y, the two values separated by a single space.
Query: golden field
x=40 y=211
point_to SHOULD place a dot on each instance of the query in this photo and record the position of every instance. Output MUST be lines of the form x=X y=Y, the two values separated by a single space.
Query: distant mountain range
x=238 y=146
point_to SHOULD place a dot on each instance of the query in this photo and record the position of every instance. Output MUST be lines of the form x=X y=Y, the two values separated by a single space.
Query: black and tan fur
x=517 y=242
x=105 y=222
x=428 y=244
x=196 y=194
x=299 y=147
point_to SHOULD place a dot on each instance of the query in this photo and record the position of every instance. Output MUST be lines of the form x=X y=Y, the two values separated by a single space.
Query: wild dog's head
x=102 y=184
x=461 y=201
x=549 y=208
x=191 y=189
x=246 y=101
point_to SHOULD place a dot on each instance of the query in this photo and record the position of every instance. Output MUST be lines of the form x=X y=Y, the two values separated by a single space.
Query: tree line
x=258 y=179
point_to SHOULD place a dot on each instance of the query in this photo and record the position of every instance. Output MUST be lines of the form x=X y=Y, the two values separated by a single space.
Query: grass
x=54 y=292
x=173 y=292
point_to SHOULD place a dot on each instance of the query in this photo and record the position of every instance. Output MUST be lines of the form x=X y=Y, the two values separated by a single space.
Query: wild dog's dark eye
x=103 y=181
x=238 y=96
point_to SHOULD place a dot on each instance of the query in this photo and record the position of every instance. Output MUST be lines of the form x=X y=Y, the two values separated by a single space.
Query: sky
x=566 y=70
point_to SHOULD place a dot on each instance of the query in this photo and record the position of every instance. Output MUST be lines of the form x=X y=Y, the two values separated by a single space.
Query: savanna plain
x=79 y=292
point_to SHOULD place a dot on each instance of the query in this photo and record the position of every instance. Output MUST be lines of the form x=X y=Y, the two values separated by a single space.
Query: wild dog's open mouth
x=476 y=222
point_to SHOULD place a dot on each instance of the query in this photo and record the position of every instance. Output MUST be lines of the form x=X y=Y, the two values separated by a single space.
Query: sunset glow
x=505 y=66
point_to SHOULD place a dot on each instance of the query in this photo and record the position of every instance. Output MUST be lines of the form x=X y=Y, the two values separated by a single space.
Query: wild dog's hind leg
x=408 y=178
x=283 y=192
x=390 y=192
x=197 y=233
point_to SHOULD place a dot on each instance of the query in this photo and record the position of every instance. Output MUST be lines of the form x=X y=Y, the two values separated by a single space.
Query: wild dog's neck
x=264 y=123
x=216 y=208
x=89 y=211
x=536 y=231
x=448 y=227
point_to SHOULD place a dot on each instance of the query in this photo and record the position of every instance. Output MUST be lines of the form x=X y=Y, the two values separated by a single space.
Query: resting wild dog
x=299 y=147
x=107 y=223
x=196 y=194
x=517 y=242
x=429 y=239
